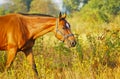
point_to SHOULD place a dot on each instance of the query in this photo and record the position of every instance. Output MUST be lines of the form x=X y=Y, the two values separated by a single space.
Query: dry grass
x=96 y=55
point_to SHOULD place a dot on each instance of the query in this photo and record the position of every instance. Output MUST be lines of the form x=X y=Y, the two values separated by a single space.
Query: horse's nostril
x=73 y=43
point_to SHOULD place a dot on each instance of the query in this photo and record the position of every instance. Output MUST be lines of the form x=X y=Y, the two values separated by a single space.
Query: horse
x=18 y=32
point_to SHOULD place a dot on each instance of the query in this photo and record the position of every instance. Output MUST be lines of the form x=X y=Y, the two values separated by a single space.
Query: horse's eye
x=67 y=25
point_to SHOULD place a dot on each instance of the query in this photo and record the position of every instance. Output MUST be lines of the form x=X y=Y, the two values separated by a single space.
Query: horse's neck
x=39 y=26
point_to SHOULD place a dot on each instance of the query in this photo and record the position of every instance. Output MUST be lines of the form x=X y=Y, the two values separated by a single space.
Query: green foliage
x=79 y=48
x=110 y=6
x=18 y=6
x=71 y=5
x=15 y=6
x=2 y=11
x=61 y=49
x=101 y=10
x=107 y=6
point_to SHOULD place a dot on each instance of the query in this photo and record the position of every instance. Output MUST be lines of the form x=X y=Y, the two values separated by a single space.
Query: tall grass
x=96 y=55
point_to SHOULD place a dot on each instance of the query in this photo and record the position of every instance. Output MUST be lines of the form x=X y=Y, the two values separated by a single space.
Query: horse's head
x=63 y=31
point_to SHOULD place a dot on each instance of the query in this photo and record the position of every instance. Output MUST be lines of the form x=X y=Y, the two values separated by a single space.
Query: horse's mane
x=35 y=14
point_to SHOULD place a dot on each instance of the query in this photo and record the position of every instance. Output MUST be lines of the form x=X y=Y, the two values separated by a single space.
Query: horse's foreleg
x=10 y=57
x=31 y=60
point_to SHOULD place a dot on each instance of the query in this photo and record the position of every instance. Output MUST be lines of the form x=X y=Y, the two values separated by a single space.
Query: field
x=96 y=55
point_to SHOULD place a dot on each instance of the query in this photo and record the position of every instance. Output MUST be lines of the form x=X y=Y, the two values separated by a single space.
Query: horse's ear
x=60 y=15
x=64 y=15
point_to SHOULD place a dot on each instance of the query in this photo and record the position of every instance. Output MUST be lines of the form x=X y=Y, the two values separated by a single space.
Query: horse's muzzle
x=72 y=43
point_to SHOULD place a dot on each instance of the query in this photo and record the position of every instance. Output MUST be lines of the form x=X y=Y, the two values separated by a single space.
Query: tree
x=101 y=10
x=73 y=5
x=18 y=6
x=107 y=6
x=15 y=6
x=28 y=3
x=44 y=7
x=4 y=9
x=110 y=6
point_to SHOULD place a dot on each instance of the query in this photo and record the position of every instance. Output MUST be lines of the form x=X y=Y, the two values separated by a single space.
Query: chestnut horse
x=19 y=31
